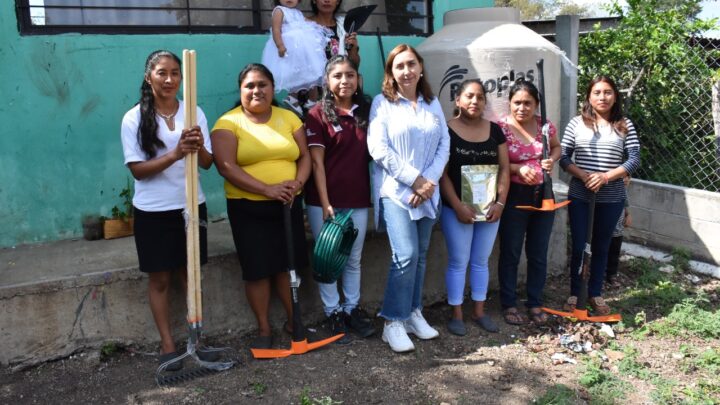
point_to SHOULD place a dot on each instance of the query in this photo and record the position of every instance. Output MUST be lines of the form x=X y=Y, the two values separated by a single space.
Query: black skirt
x=259 y=236
x=160 y=239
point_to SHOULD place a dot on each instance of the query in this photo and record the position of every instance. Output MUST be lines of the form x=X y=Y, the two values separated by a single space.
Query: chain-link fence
x=676 y=122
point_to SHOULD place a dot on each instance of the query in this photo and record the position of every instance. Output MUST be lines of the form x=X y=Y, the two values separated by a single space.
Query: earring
x=421 y=74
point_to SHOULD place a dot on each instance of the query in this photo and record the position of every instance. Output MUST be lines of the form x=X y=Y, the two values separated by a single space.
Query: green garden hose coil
x=333 y=246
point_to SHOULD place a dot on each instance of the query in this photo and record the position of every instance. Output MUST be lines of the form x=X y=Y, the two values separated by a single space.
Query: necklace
x=169 y=118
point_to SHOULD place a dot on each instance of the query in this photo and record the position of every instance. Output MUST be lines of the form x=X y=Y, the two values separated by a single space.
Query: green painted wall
x=440 y=7
x=63 y=97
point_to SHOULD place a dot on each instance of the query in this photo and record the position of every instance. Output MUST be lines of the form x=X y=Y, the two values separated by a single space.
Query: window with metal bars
x=43 y=17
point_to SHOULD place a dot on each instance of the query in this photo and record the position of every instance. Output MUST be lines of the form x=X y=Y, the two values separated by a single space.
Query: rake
x=194 y=289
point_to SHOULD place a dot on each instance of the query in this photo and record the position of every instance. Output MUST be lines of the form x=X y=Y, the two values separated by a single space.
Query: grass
x=704 y=392
x=306 y=399
x=603 y=386
x=558 y=394
x=709 y=360
x=654 y=291
x=658 y=305
x=631 y=367
x=109 y=349
x=688 y=318
x=681 y=259
x=259 y=388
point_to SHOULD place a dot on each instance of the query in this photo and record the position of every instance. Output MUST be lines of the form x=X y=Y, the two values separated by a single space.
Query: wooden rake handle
x=194 y=290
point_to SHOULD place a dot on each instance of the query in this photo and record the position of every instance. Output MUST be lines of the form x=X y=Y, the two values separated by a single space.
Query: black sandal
x=513 y=317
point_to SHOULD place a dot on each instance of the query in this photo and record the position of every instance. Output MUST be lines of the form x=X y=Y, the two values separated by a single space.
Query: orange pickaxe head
x=300 y=347
x=547 y=205
x=582 y=315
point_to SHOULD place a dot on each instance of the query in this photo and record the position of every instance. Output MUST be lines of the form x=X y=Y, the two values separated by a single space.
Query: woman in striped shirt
x=606 y=149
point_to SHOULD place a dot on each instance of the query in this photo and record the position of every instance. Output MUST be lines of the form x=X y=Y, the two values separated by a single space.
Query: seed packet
x=478 y=185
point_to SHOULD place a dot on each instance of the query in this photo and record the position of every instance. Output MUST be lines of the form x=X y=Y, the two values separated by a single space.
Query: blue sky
x=711 y=9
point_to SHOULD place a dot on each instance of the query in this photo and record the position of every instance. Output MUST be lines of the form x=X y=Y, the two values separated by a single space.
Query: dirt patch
x=515 y=366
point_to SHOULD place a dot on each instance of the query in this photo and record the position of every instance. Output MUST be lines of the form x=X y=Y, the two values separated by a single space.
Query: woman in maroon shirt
x=337 y=138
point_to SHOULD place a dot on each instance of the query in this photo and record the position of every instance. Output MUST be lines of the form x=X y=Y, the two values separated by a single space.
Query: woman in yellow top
x=264 y=159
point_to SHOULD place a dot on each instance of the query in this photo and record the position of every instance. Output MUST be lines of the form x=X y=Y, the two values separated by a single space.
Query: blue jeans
x=351 y=274
x=409 y=241
x=606 y=217
x=534 y=227
x=467 y=244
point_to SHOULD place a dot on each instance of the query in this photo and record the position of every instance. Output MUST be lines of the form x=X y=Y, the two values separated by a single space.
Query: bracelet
x=500 y=204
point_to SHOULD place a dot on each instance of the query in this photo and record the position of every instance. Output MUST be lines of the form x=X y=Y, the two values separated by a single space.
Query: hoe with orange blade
x=580 y=312
x=548 y=197
x=299 y=344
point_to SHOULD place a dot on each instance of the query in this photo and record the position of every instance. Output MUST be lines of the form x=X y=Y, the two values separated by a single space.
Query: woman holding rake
x=155 y=144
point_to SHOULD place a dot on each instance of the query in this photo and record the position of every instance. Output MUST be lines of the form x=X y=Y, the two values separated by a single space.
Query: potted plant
x=120 y=224
x=92 y=226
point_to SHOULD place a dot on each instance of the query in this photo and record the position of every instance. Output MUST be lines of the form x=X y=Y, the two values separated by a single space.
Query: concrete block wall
x=667 y=216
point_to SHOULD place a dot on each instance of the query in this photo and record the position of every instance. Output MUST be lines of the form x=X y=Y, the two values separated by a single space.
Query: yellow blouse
x=268 y=151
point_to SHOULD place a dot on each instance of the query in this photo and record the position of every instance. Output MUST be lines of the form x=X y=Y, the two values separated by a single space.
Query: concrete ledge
x=61 y=297
x=58 y=298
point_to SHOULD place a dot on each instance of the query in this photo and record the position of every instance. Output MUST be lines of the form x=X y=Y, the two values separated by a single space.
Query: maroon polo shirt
x=346 y=160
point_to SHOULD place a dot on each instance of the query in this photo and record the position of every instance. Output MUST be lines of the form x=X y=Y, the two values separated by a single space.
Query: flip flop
x=513 y=317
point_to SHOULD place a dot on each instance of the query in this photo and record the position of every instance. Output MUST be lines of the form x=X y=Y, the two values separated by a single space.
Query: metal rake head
x=181 y=376
x=164 y=377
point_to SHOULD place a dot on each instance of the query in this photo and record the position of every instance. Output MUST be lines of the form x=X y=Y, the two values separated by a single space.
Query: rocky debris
x=668 y=268
x=560 y=358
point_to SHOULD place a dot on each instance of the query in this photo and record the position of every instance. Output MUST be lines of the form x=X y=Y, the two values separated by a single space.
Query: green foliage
x=704 y=392
x=259 y=388
x=544 y=9
x=108 y=349
x=654 y=292
x=665 y=391
x=306 y=399
x=126 y=211
x=689 y=318
x=671 y=102
x=630 y=366
x=603 y=386
x=681 y=259
x=558 y=394
x=709 y=360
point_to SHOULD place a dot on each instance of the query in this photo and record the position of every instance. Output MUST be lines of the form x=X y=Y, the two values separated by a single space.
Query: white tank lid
x=488 y=14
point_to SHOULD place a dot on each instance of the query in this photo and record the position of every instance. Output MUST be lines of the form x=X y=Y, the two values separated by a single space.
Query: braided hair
x=327 y=101
x=147 y=130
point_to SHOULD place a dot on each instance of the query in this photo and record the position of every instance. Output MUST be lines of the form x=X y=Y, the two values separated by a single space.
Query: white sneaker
x=418 y=326
x=394 y=334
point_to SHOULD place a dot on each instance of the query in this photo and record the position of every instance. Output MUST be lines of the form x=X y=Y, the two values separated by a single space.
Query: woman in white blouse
x=409 y=141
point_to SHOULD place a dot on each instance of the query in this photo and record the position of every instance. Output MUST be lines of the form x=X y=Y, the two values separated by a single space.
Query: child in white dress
x=295 y=51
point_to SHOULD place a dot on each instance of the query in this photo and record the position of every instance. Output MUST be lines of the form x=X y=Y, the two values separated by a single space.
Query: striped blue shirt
x=405 y=143
x=599 y=150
